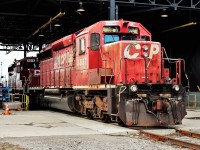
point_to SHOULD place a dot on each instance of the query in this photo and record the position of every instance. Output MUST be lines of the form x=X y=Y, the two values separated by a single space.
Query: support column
x=112 y=9
x=116 y=13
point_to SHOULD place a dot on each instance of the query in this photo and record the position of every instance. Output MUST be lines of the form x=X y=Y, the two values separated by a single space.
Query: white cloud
x=7 y=60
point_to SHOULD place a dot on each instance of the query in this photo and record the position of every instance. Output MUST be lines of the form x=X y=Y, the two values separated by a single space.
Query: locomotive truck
x=113 y=71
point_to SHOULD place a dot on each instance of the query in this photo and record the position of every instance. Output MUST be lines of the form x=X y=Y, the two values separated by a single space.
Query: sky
x=7 y=60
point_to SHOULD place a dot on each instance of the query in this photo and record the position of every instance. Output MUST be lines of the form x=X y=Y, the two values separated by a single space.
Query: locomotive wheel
x=89 y=115
x=106 y=118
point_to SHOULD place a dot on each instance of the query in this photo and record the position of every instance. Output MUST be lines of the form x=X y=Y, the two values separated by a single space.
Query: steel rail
x=189 y=133
x=181 y=143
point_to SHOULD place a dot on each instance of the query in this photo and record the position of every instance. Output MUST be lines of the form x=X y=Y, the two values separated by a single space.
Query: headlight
x=176 y=88
x=145 y=54
x=145 y=47
x=133 y=88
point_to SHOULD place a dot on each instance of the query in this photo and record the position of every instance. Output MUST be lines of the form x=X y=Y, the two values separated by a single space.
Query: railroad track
x=181 y=138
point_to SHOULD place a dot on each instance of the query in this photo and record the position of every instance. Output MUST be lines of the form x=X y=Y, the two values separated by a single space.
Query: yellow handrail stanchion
x=27 y=102
x=23 y=98
x=194 y=101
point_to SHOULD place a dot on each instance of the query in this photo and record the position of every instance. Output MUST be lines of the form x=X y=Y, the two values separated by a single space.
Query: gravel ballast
x=87 y=142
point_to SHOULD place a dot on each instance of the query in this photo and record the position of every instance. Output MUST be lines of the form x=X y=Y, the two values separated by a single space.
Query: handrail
x=194 y=102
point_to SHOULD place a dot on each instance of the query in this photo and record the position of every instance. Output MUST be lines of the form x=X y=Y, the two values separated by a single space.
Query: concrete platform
x=191 y=122
x=48 y=123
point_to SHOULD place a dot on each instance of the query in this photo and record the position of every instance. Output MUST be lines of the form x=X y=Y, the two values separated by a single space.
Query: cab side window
x=95 y=41
x=82 y=46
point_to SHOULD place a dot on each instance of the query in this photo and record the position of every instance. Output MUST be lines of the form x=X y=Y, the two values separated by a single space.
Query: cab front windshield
x=110 y=38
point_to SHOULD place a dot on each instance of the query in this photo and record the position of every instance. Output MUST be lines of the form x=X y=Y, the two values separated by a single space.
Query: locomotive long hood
x=134 y=61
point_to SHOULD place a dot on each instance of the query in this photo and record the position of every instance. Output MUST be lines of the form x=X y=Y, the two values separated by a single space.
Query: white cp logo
x=154 y=49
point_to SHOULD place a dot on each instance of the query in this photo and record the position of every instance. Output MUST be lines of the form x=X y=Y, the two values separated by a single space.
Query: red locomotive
x=24 y=73
x=112 y=70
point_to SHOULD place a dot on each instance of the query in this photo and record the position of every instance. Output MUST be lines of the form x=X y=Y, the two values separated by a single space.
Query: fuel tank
x=66 y=103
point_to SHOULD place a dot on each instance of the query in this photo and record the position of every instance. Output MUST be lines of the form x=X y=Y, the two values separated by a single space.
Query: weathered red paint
x=127 y=54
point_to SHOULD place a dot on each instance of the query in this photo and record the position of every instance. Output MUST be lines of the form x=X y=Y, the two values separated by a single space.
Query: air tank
x=66 y=103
